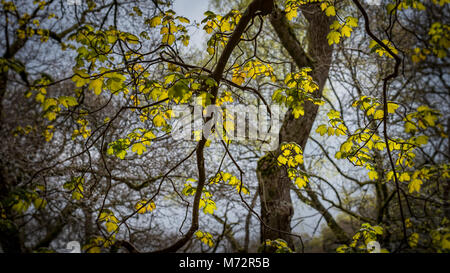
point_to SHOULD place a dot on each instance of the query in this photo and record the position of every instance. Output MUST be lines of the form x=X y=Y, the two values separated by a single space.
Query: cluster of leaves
x=359 y=144
x=363 y=239
x=292 y=6
x=251 y=70
x=441 y=237
x=206 y=203
x=438 y=40
x=75 y=187
x=222 y=25
x=169 y=27
x=95 y=244
x=205 y=237
x=299 y=88
x=380 y=50
x=110 y=221
x=341 y=29
x=144 y=206
x=336 y=125
x=22 y=199
x=275 y=246
x=139 y=139
x=292 y=158
x=28 y=27
x=228 y=178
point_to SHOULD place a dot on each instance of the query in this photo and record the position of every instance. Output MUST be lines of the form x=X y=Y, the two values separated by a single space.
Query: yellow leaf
x=322 y=129
x=168 y=38
x=330 y=11
x=159 y=121
x=331 y=131
x=346 y=146
x=379 y=114
x=333 y=37
x=373 y=175
x=138 y=148
x=300 y=182
x=378 y=230
x=404 y=177
x=292 y=13
x=96 y=85
x=414 y=185
x=282 y=160
x=95 y=249
x=413 y=240
x=380 y=146
x=430 y=119
x=185 y=40
x=39 y=203
x=111 y=226
x=40 y=97
x=67 y=101
x=298 y=111
x=392 y=107
x=155 y=21
x=208 y=206
x=144 y=206
x=299 y=159
x=346 y=31
x=351 y=21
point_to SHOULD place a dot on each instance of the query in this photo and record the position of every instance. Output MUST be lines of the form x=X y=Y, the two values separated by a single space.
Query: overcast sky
x=193 y=10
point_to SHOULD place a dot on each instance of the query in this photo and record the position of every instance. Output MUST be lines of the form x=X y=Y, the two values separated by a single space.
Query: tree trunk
x=276 y=203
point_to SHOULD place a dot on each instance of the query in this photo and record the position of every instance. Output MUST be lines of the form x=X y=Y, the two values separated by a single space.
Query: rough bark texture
x=276 y=203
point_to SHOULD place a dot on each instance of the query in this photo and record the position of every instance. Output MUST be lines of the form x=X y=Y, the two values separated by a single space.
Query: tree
x=90 y=152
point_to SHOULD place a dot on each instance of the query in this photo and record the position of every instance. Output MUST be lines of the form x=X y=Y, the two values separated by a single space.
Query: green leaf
x=68 y=101
x=183 y=19
x=422 y=140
